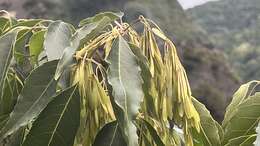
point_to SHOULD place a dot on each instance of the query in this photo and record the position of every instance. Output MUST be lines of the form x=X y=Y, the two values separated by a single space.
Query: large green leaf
x=58 y=122
x=38 y=90
x=244 y=120
x=210 y=133
x=6 y=53
x=57 y=38
x=124 y=77
x=36 y=45
x=110 y=135
x=111 y=15
x=240 y=95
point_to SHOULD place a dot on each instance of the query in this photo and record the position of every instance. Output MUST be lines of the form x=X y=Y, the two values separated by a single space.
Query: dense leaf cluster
x=104 y=83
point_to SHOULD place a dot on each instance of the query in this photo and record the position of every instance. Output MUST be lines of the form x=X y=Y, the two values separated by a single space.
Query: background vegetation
x=233 y=26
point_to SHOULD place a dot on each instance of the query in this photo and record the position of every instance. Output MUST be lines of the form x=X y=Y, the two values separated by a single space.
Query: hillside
x=211 y=79
x=234 y=26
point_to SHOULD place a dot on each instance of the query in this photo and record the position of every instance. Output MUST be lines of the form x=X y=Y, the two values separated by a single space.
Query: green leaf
x=36 y=45
x=28 y=22
x=65 y=62
x=110 y=135
x=21 y=52
x=220 y=131
x=6 y=21
x=89 y=31
x=124 y=77
x=147 y=79
x=57 y=38
x=249 y=141
x=58 y=122
x=153 y=133
x=240 y=95
x=6 y=53
x=210 y=133
x=23 y=37
x=11 y=91
x=3 y=23
x=15 y=139
x=241 y=141
x=111 y=15
x=38 y=91
x=3 y=120
x=257 y=141
x=81 y=36
x=244 y=120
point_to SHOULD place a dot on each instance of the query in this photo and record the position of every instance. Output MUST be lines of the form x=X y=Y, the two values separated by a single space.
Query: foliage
x=192 y=43
x=257 y=142
x=234 y=27
x=105 y=83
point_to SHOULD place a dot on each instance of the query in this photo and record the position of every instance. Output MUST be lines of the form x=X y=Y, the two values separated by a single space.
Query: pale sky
x=191 y=3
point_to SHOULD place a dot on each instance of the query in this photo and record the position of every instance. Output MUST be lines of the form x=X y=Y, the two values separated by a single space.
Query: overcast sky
x=191 y=3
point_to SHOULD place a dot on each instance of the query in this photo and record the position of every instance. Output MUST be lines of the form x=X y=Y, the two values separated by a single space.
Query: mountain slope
x=234 y=26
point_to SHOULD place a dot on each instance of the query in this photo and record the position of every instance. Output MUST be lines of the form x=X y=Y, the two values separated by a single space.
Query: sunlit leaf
x=3 y=23
x=112 y=16
x=89 y=31
x=244 y=120
x=241 y=94
x=36 y=45
x=28 y=22
x=6 y=21
x=57 y=38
